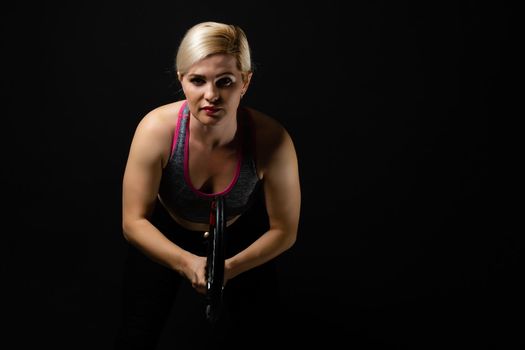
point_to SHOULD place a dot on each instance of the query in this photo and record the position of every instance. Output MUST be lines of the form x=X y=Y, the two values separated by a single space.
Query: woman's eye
x=197 y=81
x=224 y=82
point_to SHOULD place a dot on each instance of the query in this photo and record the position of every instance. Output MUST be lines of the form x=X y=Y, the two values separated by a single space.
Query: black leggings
x=252 y=302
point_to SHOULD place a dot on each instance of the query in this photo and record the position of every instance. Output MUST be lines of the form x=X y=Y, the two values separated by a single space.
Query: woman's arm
x=149 y=147
x=283 y=201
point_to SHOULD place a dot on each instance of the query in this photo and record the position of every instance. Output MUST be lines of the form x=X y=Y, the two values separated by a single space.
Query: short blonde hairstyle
x=209 y=38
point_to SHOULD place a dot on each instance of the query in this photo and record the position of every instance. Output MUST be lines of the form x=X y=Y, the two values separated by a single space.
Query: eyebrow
x=202 y=76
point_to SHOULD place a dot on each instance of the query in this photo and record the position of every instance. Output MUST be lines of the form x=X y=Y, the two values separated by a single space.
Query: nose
x=212 y=93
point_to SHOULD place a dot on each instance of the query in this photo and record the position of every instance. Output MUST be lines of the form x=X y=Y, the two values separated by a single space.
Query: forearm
x=271 y=244
x=147 y=238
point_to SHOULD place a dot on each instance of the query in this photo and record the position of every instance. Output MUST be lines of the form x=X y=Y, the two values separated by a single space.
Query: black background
x=401 y=241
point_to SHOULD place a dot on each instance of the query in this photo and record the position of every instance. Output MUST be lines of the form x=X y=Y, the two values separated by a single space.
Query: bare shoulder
x=154 y=133
x=267 y=128
x=161 y=120
x=272 y=138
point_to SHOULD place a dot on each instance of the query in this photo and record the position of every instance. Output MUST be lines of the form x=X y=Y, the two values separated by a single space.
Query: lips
x=210 y=111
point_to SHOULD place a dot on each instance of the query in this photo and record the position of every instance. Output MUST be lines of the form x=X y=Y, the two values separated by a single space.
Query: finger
x=198 y=285
x=200 y=289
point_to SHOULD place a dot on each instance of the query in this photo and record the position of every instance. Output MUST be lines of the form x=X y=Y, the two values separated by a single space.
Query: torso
x=209 y=170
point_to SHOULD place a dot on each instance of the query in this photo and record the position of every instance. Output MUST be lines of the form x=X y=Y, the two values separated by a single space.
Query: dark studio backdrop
x=389 y=105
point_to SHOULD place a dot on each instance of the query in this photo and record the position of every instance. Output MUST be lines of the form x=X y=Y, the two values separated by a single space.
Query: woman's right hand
x=195 y=272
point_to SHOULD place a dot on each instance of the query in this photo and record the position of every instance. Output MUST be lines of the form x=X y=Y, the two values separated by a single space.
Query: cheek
x=191 y=92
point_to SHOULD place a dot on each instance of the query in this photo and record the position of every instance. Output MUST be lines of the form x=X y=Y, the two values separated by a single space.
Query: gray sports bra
x=176 y=190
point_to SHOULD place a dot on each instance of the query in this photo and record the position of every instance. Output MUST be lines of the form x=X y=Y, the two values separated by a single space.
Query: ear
x=179 y=76
x=246 y=77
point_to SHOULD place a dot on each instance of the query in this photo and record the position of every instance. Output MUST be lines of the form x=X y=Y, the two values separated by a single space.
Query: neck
x=212 y=136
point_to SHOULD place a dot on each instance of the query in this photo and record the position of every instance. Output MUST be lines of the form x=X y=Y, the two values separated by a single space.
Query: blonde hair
x=209 y=38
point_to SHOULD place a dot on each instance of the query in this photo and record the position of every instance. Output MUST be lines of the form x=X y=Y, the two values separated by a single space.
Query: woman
x=182 y=155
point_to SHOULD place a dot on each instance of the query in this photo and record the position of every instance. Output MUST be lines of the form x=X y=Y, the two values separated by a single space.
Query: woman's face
x=214 y=87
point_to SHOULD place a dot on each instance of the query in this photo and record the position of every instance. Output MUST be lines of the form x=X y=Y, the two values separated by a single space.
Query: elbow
x=290 y=240
x=286 y=237
x=126 y=230
x=131 y=228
